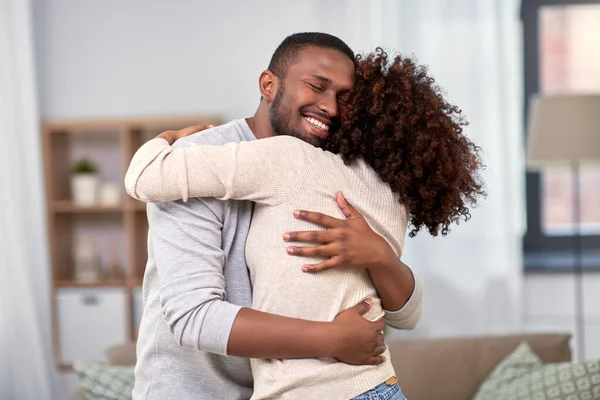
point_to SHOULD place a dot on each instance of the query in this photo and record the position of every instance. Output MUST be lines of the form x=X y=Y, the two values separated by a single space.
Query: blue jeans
x=382 y=392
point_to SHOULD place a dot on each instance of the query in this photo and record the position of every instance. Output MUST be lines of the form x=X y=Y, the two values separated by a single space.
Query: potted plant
x=84 y=183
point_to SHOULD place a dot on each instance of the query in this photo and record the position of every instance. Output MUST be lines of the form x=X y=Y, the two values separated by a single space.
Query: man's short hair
x=290 y=48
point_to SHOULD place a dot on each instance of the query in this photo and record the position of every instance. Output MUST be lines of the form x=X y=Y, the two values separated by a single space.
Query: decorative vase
x=110 y=194
x=86 y=260
x=84 y=188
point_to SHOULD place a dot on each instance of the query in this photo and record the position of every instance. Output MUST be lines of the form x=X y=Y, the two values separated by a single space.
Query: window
x=569 y=38
x=562 y=55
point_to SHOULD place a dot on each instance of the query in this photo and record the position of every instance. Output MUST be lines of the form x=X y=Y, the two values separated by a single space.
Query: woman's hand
x=351 y=243
x=347 y=243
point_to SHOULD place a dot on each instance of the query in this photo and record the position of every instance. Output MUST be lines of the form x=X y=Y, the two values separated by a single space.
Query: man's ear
x=268 y=84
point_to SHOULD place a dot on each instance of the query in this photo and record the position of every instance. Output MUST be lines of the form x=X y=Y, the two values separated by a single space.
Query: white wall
x=146 y=58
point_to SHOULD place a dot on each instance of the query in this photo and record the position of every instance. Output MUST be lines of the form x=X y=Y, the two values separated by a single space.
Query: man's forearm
x=256 y=334
x=394 y=282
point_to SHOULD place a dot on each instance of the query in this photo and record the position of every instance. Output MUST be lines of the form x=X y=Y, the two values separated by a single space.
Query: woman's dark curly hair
x=398 y=121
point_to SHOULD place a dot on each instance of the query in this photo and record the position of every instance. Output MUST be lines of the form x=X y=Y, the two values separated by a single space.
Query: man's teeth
x=317 y=123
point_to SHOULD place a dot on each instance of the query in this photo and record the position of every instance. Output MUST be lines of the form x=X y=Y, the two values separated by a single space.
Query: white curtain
x=472 y=277
x=26 y=365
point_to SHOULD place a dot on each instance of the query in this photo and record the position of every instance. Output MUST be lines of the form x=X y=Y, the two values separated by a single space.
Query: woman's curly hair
x=398 y=121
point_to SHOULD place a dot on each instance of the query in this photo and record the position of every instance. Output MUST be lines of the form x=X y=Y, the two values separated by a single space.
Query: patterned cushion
x=522 y=375
x=106 y=382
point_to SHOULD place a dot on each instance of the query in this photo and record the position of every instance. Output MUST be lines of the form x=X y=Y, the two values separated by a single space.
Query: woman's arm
x=264 y=171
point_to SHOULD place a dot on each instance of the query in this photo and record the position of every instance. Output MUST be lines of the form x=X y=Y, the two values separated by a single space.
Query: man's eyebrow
x=321 y=78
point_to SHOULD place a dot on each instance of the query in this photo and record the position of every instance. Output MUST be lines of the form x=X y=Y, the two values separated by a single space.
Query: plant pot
x=84 y=188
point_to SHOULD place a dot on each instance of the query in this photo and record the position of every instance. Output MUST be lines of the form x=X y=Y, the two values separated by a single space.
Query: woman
x=399 y=154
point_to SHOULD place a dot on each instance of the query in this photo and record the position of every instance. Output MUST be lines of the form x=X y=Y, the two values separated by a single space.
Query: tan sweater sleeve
x=409 y=315
x=264 y=171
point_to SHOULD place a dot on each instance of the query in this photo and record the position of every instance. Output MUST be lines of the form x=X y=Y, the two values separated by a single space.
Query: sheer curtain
x=472 y=277
x=26 y=365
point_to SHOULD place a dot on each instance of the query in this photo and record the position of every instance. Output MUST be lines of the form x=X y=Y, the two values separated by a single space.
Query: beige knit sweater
x=282 y=174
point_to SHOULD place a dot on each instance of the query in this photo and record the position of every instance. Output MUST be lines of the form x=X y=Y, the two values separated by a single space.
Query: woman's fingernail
x=305 y=269
x=289 y=250
x=286 y=236
x=296 y=213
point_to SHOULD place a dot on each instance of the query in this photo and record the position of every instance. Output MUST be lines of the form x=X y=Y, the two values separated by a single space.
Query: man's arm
x=187 y=239
x=186 y=244
x=350 y=338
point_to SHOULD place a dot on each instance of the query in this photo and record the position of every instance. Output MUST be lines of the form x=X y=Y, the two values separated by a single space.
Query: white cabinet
x=90 y=321
x=69 y=386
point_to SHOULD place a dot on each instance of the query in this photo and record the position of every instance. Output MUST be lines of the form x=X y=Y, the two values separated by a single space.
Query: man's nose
x=329 y=105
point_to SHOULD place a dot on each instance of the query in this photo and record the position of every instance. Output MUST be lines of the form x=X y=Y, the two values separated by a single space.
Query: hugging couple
x=274 y=241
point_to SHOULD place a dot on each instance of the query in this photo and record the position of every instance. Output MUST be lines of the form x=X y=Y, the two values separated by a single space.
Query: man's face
x=306 y=103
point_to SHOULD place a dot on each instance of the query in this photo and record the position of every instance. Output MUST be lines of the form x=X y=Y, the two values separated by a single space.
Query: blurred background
x=84 y=83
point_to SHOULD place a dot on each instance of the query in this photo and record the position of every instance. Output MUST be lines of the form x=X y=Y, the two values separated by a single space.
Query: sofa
x=441 y=369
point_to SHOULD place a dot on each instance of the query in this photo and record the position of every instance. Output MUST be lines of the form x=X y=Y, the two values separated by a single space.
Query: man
x=197 y=330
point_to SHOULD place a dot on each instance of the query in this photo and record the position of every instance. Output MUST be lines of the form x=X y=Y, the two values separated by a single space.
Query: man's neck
x=259 y=123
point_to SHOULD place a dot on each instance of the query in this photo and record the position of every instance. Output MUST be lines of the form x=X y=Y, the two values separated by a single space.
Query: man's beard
x=279 y=117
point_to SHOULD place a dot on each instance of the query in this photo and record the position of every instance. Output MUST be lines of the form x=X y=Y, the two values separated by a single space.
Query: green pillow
x=106 y=382
x=522 y=375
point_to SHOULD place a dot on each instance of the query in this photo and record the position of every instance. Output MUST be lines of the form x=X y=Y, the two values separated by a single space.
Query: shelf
x=65 y=206
x=135 y=282
x=98 y=284
x=141 y=123
x=136 y=205
x=119 y=232
x=68 y=207
x=65 y=367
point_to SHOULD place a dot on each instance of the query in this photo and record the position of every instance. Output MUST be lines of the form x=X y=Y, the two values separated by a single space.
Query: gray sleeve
x=189 y=260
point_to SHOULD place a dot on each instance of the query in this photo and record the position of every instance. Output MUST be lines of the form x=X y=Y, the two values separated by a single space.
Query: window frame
x=540 y=249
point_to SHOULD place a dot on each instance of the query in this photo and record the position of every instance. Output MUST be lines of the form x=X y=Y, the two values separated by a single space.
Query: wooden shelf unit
x=67 y=207
x=64 y=218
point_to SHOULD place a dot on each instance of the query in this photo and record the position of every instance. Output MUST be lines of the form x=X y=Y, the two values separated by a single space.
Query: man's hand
x=349 y=243
x=173 y=136
x=357 y=340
